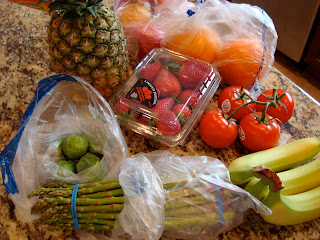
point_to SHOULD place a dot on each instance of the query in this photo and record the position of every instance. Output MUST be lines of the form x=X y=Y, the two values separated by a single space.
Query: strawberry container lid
x=164 y=97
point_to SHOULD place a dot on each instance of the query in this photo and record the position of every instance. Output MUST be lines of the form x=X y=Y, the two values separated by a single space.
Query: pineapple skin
x=93 y=48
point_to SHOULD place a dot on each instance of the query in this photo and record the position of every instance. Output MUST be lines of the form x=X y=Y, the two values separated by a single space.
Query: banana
x=296 y=180
x=293 y=209
x=276 y=159
x=257 y=189
x=301 y=179
x=298 y=201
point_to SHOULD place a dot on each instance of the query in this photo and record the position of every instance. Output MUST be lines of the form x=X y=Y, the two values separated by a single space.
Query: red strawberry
x=147 y=120
x=150 y=71
x=192 y=74
x=168 y=124
x=167 y=83
x=181 y=108
x=163 y=105
x=183 y=112
x=189 y=96
x=123 y=107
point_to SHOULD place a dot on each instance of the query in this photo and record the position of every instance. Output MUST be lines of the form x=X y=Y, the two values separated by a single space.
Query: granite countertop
x=25 y=61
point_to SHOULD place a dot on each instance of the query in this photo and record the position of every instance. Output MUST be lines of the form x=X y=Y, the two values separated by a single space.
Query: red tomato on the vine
x=257 y=136
x=230 y=99
x=284 y=101
x=216 y=131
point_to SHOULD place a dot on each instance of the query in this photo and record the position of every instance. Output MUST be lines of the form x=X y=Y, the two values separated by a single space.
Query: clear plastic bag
x=63 y=105
x=239 y=39
x=133 y=15
x=197 y=201
x=138 y=19
x=143 y=215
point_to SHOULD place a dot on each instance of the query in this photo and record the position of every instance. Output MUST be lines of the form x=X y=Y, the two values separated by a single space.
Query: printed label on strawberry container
x=143 y=92
x=226 y=106
x=242 y=136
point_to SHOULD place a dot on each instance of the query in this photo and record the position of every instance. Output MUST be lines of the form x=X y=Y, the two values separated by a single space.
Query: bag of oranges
x=238 y=39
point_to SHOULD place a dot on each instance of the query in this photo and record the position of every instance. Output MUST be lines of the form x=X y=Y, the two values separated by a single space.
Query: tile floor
x=298 y=74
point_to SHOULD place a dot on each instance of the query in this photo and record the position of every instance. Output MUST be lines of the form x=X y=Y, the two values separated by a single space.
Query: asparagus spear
x=110 y=193
x=202 y=220
x=82 y=225
x=80 y=201
x=42 y=191
x=191 y=210
x=68 y=215
x=190 y=191
x=182 y=202
x=80 y=220
x=62 y=209
x=102 y=208
x=99 y=188
x=44 y=203
x=172 y=185
x=84 y=185
x=66 y=192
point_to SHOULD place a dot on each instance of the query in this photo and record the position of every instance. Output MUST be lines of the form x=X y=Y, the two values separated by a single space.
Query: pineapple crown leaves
x=72 y=8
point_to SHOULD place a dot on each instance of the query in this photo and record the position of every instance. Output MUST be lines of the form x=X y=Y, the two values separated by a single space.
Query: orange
x=201 y=44
x=133 y=13
x=239 y=61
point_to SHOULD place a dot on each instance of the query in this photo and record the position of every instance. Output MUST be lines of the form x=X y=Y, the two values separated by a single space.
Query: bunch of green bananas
x=299 y=200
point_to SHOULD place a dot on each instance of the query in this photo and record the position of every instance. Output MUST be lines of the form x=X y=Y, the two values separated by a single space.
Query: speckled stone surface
x=24 y=61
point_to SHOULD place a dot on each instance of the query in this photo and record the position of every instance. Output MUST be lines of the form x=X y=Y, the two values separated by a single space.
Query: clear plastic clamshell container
x=164 y=97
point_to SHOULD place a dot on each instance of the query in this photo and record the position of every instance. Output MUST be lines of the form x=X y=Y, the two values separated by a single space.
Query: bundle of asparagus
x=98 y=205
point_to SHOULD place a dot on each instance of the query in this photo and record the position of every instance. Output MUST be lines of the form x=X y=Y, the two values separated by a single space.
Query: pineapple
x=86 y=39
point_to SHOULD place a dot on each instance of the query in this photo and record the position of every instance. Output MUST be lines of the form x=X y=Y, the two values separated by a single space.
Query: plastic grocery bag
x=180 y=197
x=239 y=39
x=138 y=18
x=143 y=215
x=63 y=105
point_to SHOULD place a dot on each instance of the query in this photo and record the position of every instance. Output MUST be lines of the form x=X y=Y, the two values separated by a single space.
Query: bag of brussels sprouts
x=67 y=134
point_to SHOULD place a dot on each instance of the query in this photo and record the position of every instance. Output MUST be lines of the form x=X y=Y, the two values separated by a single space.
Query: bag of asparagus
x=155 y=195
x=68 y=134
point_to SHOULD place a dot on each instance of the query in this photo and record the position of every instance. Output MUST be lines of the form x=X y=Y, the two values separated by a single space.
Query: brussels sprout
x=94 y=173
x=75 y=146
x=60 y=146
x=95 y=148
x=69 y=165
x=86 y=161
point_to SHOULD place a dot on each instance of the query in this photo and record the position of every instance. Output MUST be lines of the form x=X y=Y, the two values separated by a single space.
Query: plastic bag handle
x=256 y=86
x=8 y=154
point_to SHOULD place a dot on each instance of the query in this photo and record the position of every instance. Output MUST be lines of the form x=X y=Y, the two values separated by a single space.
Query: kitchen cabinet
x=294 y=20
x=312 y=58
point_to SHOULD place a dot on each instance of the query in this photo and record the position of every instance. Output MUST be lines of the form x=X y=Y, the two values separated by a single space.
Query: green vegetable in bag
x=75 y=146
x=68 y=165
x=88 y=160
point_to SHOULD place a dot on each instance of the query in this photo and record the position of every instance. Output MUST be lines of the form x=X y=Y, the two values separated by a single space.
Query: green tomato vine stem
x=242 y=95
